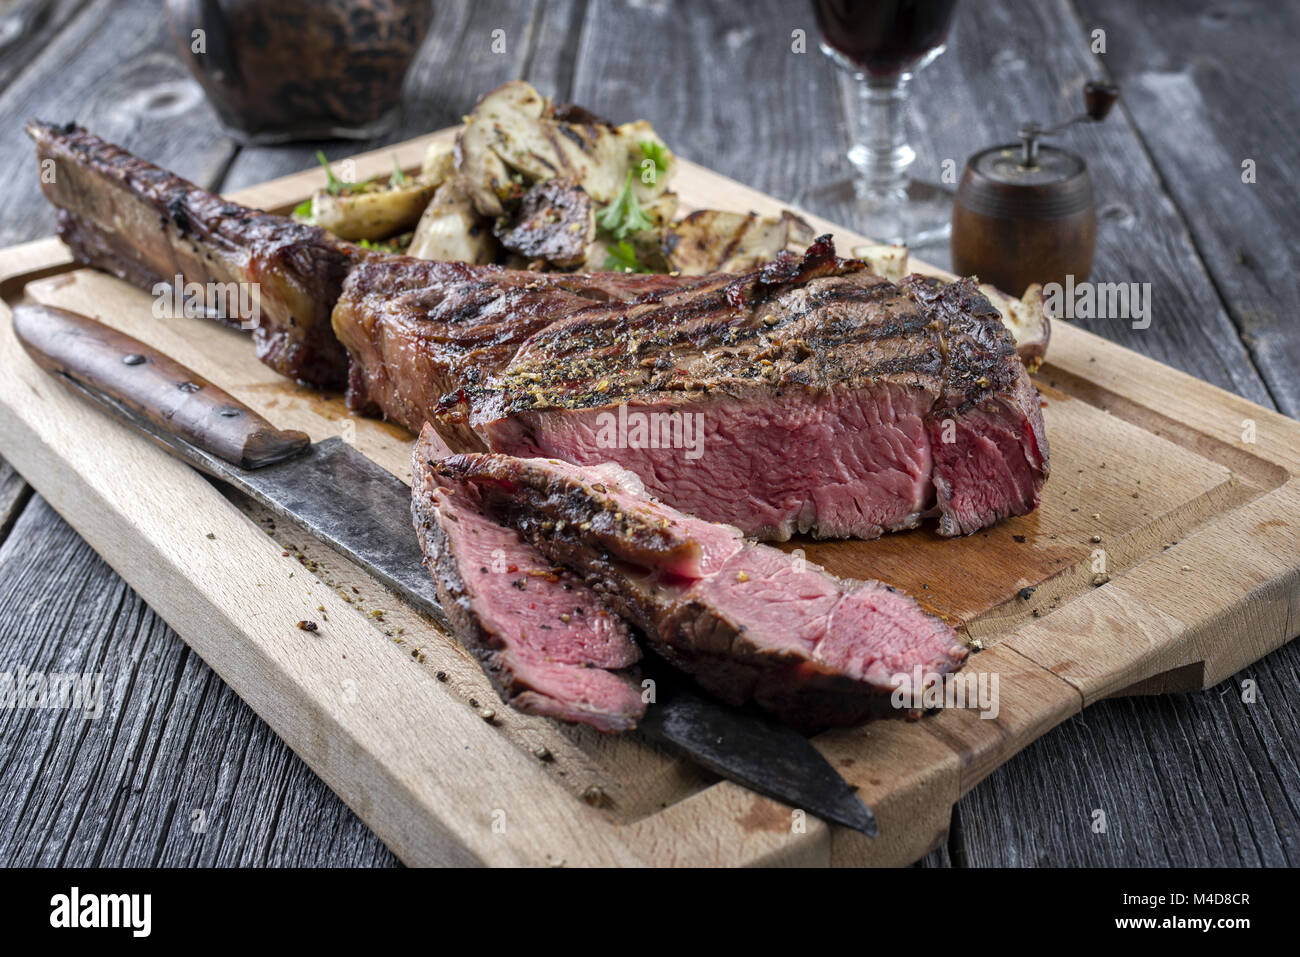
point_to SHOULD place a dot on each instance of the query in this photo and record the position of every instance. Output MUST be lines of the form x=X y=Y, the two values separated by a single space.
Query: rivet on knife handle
x=152 y=386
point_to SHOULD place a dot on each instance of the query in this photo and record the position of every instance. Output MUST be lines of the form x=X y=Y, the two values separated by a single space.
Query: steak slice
x=143 y=224
x=546 y=642
x=749 y=622
x=805 y=396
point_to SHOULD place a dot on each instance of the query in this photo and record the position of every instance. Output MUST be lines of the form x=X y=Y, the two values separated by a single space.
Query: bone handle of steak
x=152 y=387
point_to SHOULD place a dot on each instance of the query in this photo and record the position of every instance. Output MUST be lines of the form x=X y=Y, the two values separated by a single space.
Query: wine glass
x=881 y=44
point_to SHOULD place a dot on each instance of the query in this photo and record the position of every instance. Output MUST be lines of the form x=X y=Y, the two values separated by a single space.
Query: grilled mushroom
x=713 y=240
x=515 y=138
x=555 y=223
x=451 y=230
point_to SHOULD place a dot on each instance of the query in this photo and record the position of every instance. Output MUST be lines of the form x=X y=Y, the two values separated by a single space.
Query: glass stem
x=877 y=124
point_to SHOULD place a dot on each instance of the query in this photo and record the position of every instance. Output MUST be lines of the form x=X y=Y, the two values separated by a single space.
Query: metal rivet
x=134 y=359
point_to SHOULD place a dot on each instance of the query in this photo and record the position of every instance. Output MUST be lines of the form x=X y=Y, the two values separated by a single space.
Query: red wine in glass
x=880 y=44
x=884 y=37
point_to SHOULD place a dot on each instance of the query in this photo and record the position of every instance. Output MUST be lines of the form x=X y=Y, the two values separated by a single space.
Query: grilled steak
x=146 y=225
x=805 y=396
x=748 y=621
x=548 y=645
x=417 y=330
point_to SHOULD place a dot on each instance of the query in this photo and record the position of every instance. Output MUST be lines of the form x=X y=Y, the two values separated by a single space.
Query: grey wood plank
x=26 y=26
x=14 y=493
x=1210 y=86
x=111 y=69
x=719 y=82
x=124 y=788
x=1183 y=780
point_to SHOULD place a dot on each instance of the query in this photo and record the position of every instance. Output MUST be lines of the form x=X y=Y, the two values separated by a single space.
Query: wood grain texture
x=176 y=771
x=111 y=68
x=28 y=26
x=1208 y=95
x=715 y=100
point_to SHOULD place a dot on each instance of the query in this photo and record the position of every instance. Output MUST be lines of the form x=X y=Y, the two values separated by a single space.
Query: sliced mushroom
x=1028 y=320
x=554 y=223
x=451 y=230
x=713 y=240
x=515 y=138
x=439 y=163
x=374 y=213
x=887 y=262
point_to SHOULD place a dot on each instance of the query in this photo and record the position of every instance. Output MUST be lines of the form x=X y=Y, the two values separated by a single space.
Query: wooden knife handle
x=152 y=387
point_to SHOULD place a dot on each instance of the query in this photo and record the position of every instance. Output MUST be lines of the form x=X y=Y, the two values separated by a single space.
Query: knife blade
x=362 y=511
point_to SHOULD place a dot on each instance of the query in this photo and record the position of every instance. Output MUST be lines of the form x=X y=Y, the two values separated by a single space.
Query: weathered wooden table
x=179 y=771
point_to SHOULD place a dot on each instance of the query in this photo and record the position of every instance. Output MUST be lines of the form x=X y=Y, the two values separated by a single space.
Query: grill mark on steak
x=418 y=330
x=744 y=619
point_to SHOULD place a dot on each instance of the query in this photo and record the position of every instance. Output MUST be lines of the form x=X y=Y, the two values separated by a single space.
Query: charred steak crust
x=993 y=459
x=417 y=330
x=555 y=223
x=546 y=642
x=829 y=400
x=129 y=217
x=748 y=622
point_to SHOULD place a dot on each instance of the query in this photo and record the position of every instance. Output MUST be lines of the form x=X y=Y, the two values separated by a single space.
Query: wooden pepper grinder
x=1025 y=213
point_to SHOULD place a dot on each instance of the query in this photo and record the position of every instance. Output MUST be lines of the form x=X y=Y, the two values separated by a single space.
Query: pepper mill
x=1025 y=213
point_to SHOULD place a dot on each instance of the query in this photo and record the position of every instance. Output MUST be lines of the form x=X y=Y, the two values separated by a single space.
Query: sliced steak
x=548 y=645
x=748 y=621
x=128 y=217
x=805 y=396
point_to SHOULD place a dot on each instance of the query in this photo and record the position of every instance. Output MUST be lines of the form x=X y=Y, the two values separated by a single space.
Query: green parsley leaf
x=303 y=210
x=624 y=216
x=656 y=153
x=333 y=185
x=622 y=258
x=398 y=178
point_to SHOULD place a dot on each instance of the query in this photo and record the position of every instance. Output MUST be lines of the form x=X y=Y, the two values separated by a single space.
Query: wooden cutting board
x=1165 y=557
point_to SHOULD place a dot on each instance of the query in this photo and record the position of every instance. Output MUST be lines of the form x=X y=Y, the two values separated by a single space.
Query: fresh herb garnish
x=333 y=185
x=337 y=187
x=622 y=258
x=623 y=217
x=303 y=210
x=657 y=154
x=398 y=178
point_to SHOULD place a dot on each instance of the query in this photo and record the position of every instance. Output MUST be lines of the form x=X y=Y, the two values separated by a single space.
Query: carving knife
x=362 y=511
